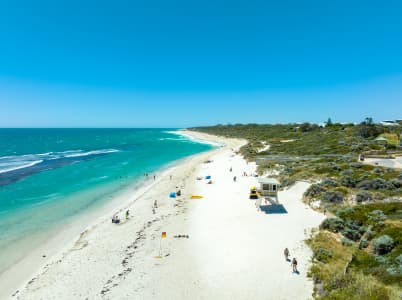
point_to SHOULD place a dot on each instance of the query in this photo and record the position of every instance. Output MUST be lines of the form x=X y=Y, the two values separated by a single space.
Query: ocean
x=48 y=177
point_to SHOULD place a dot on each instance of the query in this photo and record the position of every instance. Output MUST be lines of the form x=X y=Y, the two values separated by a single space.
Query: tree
x=329 y=122
x=368 y=129
x=368 y=121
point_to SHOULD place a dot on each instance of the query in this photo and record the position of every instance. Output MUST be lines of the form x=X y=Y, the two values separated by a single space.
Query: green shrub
x=333 y=224
x=398 y=259
x=376 y=217
x=348 y=181
x=347 y=242
x=363 y=196
x=375 y=184
x=356 y=165
x=322 y=255
x=314 y=190
x=332 y=197
x=394 y=184
x=328 y=182
x=346 y=172
x=344 y=212
x=383 y=244
x=351 y=233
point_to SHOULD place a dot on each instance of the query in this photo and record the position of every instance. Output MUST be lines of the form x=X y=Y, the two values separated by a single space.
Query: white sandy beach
x=233 y=250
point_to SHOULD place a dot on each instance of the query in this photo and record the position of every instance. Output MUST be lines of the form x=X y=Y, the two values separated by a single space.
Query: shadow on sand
x=273 y=208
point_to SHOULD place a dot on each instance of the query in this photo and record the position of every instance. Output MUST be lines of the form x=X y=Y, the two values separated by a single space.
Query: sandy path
x=234 y=251
x=385 y=162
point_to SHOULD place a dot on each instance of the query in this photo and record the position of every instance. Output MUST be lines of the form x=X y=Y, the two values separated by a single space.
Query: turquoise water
x=48 y=176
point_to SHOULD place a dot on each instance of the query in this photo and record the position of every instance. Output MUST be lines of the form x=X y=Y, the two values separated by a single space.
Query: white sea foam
x=94 y=152
x=12 y=166
x=193 y=139
x=12 y=163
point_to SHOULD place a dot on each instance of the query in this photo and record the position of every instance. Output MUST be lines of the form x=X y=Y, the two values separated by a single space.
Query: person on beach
x=286 y=254
x=230 y=169
x=127 y=214
x=156 y=204
x=294 y=265
x=154 y=177
x=115 y=219
x=234 y=179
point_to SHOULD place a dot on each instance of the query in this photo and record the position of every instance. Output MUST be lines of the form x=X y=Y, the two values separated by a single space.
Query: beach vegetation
x=333 y=224
x=383 y=244
x=357 y=252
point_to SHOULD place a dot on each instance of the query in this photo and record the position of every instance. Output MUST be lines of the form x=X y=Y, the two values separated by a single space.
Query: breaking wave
x=12 y=163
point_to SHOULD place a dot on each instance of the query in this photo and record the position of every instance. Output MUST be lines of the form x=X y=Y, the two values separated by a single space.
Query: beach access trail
x=233 y=251
x=395 y=163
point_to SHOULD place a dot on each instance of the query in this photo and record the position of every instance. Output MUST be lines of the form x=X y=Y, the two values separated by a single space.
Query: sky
x=158 y=63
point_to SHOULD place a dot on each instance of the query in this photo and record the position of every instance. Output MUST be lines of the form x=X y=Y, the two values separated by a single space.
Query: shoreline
x=232 y=251
x=60 y=241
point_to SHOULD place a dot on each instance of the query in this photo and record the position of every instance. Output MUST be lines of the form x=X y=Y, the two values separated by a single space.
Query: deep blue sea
x=49 y=176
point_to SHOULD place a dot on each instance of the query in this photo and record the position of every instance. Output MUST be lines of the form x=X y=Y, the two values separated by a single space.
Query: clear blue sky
x=182 y=63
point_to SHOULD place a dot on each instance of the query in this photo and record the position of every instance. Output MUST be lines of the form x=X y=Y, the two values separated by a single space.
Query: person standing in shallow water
x=294 y=265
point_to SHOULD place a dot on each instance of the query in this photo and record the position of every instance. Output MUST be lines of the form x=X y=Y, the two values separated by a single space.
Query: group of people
x=244 y=174
x=286 y=253
x=146 y=175
x=116 y=219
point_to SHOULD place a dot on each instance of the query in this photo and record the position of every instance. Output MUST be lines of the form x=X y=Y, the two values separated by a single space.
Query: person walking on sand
x=127 y=214
x=230 y=169
x=294 y=265
x=234 y=179
x=286 y=254
x=156 y=204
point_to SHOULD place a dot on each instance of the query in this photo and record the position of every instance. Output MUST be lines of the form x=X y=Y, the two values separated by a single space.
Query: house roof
x=268 y=181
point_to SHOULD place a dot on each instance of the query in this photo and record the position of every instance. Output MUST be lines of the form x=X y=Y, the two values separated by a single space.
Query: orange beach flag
x=164 y=234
